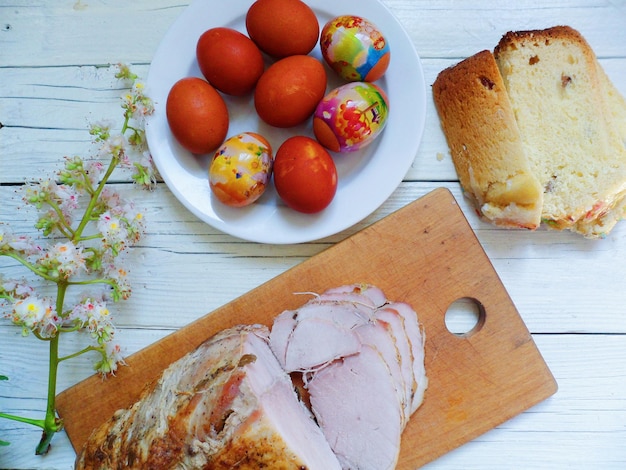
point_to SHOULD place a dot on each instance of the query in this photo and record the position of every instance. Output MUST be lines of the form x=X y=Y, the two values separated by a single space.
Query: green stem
x=35 y=422
x=95 y=236
x=78 y=353
x=52 y=424
x=30 y=266
x=87 y=282
x=64 y=228
x=125 y=126
x=86 y=182
x=94 y=199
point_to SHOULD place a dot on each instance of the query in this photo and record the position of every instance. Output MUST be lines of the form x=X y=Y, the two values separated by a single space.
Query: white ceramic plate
x=366 y=177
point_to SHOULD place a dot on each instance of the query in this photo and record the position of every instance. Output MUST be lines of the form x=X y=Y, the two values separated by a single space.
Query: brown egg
x=197 y=115
x=283 y=27
x=229 y=60
x=289 y=90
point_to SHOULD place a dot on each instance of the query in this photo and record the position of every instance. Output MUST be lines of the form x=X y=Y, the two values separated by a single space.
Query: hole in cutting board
x=465 y=317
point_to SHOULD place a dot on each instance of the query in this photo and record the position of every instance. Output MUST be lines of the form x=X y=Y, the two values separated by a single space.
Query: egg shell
x=241 y=169
x=355 y=48
x=282 y=28
x=351 y=116
x=229 y=60
x=289 y=90
x=197 y=115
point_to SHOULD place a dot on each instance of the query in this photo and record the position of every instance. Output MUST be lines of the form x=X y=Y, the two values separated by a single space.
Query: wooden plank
x=32 y=36
x=425 y=254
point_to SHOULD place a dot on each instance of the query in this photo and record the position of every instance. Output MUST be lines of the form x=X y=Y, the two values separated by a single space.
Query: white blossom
x=37 y=314
x=66 y=258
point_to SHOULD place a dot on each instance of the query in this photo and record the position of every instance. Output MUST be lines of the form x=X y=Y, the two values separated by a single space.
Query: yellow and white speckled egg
x=241 y=169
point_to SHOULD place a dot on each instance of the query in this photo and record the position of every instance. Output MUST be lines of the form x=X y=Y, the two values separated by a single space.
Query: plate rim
x=297 y=227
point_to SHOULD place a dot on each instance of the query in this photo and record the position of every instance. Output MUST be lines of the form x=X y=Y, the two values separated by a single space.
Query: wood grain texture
x=105 y=32
x=414 y=258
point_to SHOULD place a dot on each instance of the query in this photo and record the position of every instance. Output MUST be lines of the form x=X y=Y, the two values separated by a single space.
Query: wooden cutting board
x=425 y=254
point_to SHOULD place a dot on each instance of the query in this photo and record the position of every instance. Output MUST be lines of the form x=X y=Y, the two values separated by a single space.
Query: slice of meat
x=360 y=294
x=416 y=338
x=228 y=404
x=378 y=336
x=394 y=323
x=321 y=330
x=315 y=342
x=362 y=359
x=357 y=408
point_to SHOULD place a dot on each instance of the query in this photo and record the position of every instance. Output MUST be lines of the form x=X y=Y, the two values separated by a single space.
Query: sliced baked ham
x=320 y=331
x=366 y=295
x=395 y=325
x=378 y=336
x=416 y=338
x=358 y=410
x=228 y=404
x=362 y=359
x=231 y=403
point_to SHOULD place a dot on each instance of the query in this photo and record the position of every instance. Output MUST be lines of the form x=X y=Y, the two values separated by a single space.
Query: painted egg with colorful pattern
x=351 y=116
x=355 y=48
x=241 y=169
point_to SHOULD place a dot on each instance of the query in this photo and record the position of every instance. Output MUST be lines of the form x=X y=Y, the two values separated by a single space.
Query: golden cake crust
x=484 y=141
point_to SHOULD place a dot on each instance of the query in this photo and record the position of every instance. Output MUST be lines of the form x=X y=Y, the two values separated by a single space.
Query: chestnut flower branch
x=97 y=226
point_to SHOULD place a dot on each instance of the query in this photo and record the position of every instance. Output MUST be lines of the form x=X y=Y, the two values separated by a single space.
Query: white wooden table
x=55 y=77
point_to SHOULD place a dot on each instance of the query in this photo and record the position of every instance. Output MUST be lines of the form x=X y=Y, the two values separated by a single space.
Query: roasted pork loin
x=356 y=359
x=228 y=404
